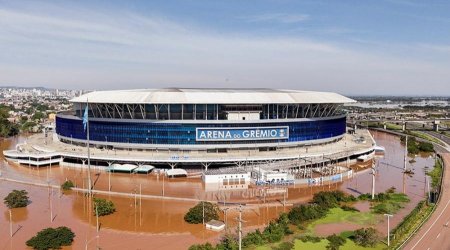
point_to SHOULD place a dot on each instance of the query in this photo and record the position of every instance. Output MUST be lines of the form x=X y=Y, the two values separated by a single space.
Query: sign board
x=242 y=133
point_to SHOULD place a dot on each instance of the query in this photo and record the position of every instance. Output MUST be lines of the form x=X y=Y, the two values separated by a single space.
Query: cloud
x=436 y=47
x=278 y=17
x=66 y=48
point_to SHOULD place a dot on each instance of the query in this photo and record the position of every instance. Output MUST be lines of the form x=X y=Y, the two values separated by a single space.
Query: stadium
x=199 y=128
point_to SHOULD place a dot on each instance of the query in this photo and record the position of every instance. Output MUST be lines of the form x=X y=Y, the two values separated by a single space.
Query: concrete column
x=404 y=126
x=436 y=126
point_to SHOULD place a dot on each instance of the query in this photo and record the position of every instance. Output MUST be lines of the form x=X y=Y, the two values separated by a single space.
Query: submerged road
x=435 y=233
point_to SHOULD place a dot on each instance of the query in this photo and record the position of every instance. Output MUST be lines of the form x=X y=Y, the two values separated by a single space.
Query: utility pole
x=240 y=227
x=225 y=210
x=406 y=153
x=140 y=204
x=51 y=205
x=373 y=181
x=388 y=230
x=203 y=207
x=96 y=214
x=163 y=185
x=109 y=180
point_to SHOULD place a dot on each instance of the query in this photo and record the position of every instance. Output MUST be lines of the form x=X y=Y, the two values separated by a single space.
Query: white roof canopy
x=176 y=172
x=210 y=96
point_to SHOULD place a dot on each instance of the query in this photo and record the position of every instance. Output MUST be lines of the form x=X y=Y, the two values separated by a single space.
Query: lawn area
x=425 y=137
x=337 y=215
x=349 y=245
x=391 y=126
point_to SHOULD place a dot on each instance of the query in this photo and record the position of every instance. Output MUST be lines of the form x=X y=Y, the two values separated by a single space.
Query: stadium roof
x=210 y=96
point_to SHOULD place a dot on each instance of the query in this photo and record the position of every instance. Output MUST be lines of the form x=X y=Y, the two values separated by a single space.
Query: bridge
x=415 y=124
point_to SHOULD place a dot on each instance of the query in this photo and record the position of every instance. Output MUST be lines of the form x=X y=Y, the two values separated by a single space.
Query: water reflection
x=18 y=214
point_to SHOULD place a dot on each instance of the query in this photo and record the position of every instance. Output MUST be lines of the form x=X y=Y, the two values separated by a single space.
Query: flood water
x=136 y=223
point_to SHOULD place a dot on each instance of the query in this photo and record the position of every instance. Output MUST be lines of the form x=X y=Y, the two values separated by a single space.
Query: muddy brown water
x=161 y=222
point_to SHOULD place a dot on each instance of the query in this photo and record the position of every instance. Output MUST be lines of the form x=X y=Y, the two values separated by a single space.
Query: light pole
x=373 y=181
x=203 y=207
x=96 y=215
x=388 y=230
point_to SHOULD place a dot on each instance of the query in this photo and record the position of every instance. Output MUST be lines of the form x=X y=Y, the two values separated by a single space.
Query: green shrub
x=228 y=242
x=253 y=238
x=51 y=238
x=329 y=199
x=103 y=206
x=206 y=246
x=67 y=185
x=366 y=237
x=306 y=212
x=391 y=190
x=335 y=241
x=310 y=238
x=17 y=198
x=435 y=174
x=349 y=208
x=195 y=214
x=274 y=232
x=426 y=147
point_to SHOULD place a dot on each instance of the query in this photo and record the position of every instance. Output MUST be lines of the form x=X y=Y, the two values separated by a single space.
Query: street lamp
x=388 y=231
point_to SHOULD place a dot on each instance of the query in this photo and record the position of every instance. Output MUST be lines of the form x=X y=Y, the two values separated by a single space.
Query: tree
x=253 y=238
x=17 y=198
x=335 y=242
x=67 y=185
x=51 y=238
x=306 y=212
x=38 y=116
x=195 y=214
x=330 y=199
x=366 y=237
x=103 y=206
x=228 y=242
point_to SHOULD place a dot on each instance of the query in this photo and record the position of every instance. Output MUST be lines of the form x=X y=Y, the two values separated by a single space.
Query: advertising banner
x=242 y=133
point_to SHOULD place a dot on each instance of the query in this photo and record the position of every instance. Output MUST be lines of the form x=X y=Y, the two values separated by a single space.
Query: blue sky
x=389 y=47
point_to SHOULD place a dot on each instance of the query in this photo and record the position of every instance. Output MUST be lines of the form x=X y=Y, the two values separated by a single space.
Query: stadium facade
x=205 y=118
x=187 y=128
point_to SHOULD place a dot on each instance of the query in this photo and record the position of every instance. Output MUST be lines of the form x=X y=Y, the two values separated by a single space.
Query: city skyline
x=375 y=48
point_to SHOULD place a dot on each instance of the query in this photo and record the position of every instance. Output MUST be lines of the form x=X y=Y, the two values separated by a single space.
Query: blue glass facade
x=185 y=133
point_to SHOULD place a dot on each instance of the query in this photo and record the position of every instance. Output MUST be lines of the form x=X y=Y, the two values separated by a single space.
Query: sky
x=382 y=47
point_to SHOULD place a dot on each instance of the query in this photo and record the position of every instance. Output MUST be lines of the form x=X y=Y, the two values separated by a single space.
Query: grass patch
x=424 y=136
x=388 y=202
x=391 y=126
x=436 y=174
x=338 y=215
x=349 y=245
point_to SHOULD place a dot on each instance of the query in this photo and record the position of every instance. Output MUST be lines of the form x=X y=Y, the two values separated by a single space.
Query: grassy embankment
x=304 y=235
